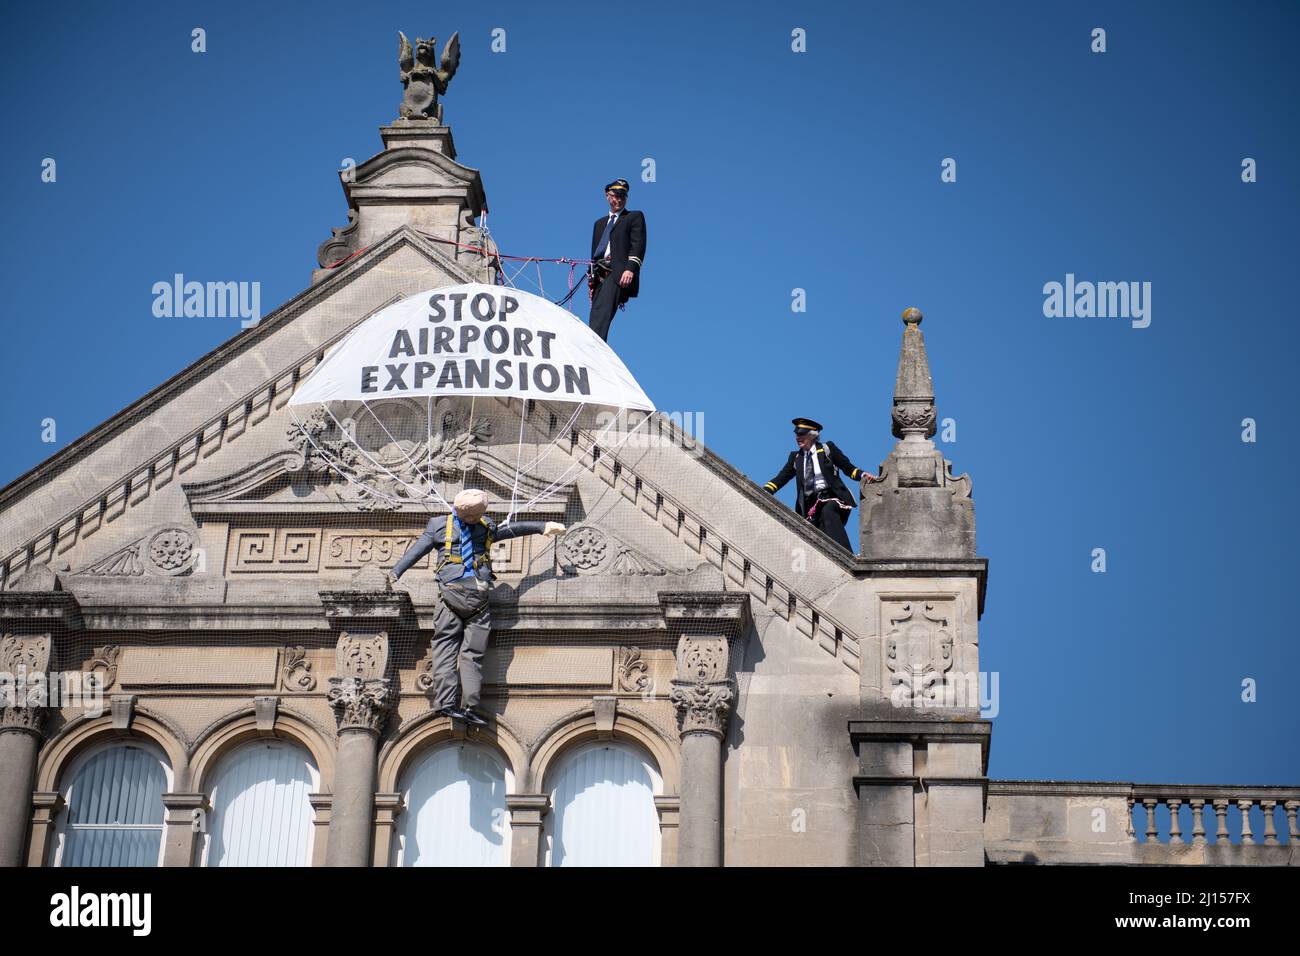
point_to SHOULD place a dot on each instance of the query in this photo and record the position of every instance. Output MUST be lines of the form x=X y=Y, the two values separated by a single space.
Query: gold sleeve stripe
x=770 y=487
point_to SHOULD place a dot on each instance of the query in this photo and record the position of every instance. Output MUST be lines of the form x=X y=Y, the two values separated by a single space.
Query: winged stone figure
x=423 y=76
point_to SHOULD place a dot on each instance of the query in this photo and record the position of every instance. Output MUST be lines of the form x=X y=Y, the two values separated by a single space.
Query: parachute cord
x=469 y=426
x=411 y=461
x=578 y=464
x=342 y=474
x=419 y=495
x=519 y=455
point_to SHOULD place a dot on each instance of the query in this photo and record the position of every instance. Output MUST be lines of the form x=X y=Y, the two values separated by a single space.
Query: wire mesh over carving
x=918 y=654
x=702 y=692
x=384 y=454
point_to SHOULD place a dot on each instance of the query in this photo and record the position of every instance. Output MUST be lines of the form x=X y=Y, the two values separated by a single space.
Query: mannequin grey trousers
x=459 y=643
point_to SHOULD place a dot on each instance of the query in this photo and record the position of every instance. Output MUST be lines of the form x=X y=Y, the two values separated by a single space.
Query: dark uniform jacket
x=626 y=247
x=449 y=570
x=832 y=463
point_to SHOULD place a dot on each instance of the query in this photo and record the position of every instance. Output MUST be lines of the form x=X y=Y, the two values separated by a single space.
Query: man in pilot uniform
x=464 y=575
x=617 y=248
x=820 y=495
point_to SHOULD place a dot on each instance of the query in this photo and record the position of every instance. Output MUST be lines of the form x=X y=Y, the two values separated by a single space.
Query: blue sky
x=777 y=171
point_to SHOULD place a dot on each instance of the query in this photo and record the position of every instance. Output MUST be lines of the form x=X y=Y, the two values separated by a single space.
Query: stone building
x=691 y=675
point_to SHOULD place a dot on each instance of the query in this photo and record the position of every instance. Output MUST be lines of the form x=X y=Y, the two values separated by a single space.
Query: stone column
x=362 y=696
x=361 y=706
x=527 y=812
x=20 y=736
x=703 y=694
x=24 y=663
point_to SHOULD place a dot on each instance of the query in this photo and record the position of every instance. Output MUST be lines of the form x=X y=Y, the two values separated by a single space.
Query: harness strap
x=450 y=554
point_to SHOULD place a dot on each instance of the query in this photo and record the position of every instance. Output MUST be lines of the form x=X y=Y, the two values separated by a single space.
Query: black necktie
x=604 y=236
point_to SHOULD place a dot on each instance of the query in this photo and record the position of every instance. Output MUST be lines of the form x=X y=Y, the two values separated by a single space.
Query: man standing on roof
x=617 y=248
x=820 y=495
x=464 y=575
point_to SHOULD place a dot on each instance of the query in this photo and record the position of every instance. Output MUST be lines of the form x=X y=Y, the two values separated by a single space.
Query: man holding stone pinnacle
x=464 y=575
x=617 y=248
x=820 y=495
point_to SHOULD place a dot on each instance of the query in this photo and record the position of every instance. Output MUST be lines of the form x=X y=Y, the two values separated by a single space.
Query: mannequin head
x=470 y=505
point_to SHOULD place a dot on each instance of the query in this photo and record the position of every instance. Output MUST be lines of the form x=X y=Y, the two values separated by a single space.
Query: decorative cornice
x=55 y=609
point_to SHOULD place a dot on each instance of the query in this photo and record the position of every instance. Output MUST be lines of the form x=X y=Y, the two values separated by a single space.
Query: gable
x=209 y=454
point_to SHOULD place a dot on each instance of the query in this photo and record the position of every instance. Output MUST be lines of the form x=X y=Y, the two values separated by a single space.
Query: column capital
x=24 y=690
x=360 y=692
x=702 y=692
x=359 y=704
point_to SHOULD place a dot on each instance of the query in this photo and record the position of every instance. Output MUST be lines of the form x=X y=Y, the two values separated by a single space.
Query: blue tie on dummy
x=604 y=237
x=466 y=548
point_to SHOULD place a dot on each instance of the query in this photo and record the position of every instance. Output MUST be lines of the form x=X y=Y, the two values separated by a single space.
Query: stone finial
x=919 y=509
x=914 y=412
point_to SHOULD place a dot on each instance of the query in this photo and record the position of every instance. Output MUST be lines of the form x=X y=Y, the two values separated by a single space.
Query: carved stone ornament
x=702 y=692
x=423 y=76
x=104 y=661
x=362 y=656
x=633 y=563
x=359 y=704
x=424 y=673
x=383 y=455
x=914 y=418
x=702 y=708
x=295 y=674
x=24 y=662
x=167 y=552
x=918 y=653
x=584 y=547
x=26 y=653
x=632 y=676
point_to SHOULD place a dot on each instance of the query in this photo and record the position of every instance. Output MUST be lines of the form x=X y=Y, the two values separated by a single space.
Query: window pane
x=603 y=811
x=455 y=810
x=261 y=815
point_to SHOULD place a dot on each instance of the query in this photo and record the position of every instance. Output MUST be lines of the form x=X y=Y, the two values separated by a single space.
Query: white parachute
x=405 y=404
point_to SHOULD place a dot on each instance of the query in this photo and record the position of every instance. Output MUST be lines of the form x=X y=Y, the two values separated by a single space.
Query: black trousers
x=608 y=297
x=831 y=517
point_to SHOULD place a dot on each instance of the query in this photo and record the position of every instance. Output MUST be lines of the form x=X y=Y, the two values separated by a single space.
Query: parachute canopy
x=470 y=340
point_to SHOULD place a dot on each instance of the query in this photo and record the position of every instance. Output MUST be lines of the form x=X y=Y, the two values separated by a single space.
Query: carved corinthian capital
x=359 y=692
x=359 y=704
x=24 y=663
x=702 y=692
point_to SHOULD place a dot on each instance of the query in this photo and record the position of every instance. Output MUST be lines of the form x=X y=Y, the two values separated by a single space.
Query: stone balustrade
x=1034 y=821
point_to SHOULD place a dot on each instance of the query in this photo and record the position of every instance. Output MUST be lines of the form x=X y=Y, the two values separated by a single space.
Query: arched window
x=603 y=808
x=261 y=815
x=115 y=809
x=455 y=798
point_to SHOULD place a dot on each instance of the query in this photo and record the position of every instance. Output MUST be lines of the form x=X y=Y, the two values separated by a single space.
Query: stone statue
x=422 y=77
